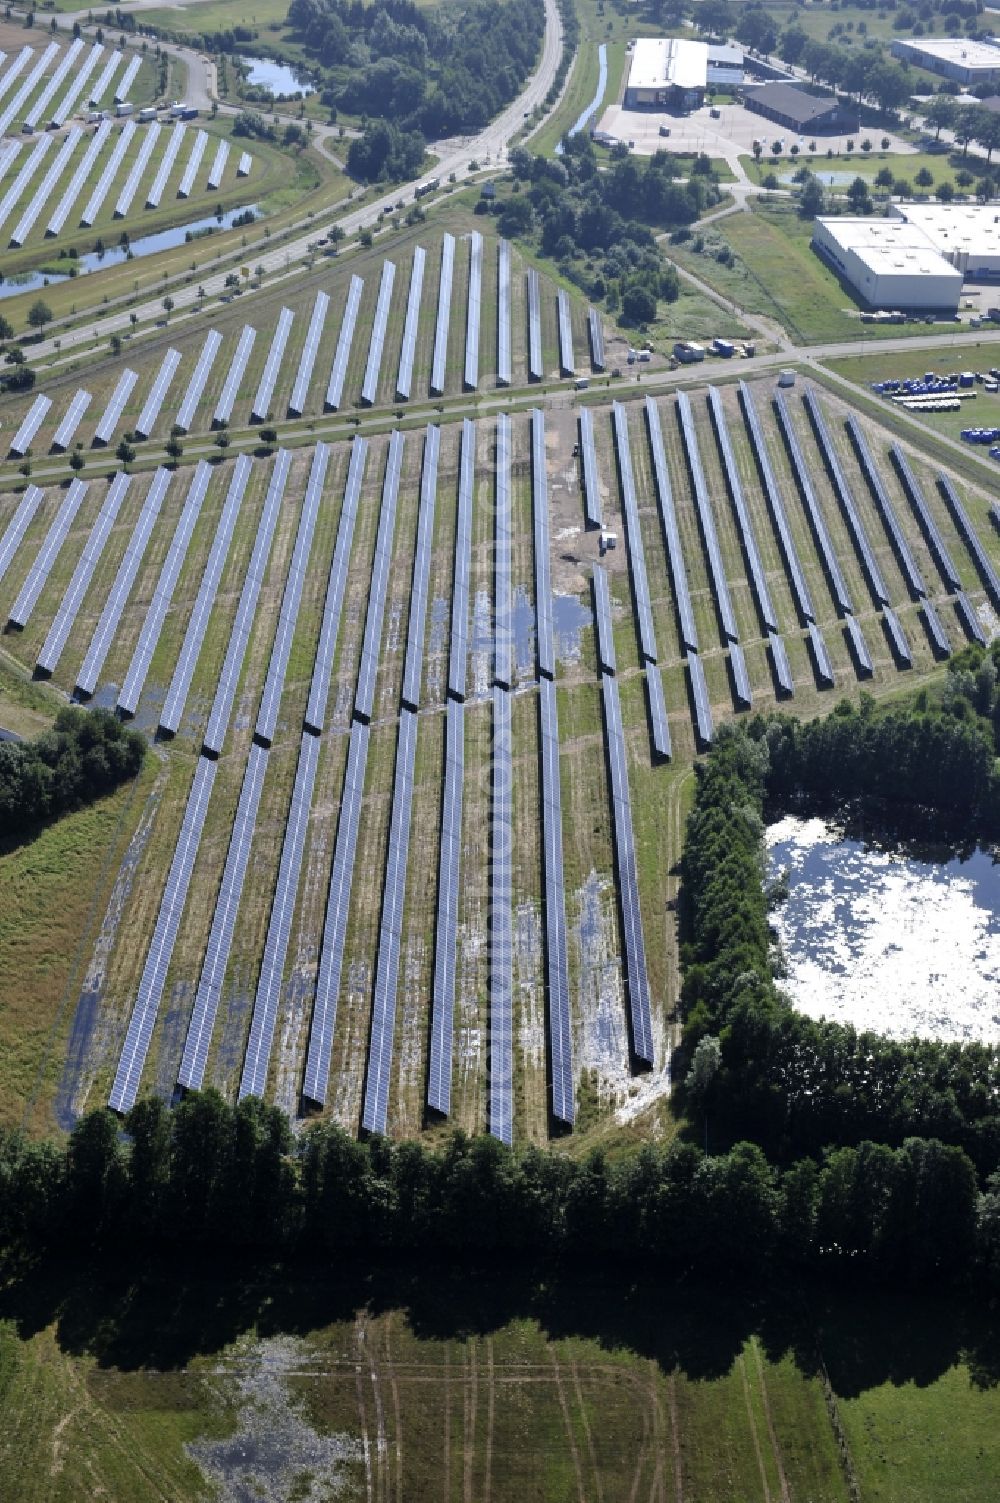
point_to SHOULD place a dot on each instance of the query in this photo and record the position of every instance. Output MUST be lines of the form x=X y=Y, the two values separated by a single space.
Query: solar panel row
x=104 y=432
x=659 y=725
x=404 y=378
x=244 y=164
x=503 y=633
x=237 y=369
x=261 y=408
x=127 y=78
x=220 y=939
x=824 y=668
x=33 y=420
x=602 y=615
x=199 y=380
x=595 y=329
x=897 y=638
x=62 y=111
x=253 y=581
x=149 y=139
x=146 y=420
x=107 y=73
x=935 y=630
x=458 y=656
x=828 y=555
x=446 y=925
x=18 y=525
x=326 y=647
x=338 y=371
x=15 y=70
x=307 y=359
x=100 y=643
x=504 y=371
x=142 y=657
x=869 y=563
x=158 y=957
x=963 y=522
x=557 y=965
x=9 y=152
x=741 y=679
x=474 y=311
x=500 y=929
x=28 y=170
x=777 y=506
x=27 y=88
x=717 y=573
x=86 y=165
x=702 y=708
x=908 y=563
x=758 y=575
x=26 y=223
x=923 y=513
x=173 y=708
x=782 y=668
x=369 y=387
x=543 y=576
x=55 y=83
x=591 y=485
x=166 y=166
x=535 y=367
x=633 y=537
x=83 y=574
x=567 y=359
x=218 y=164
x=859 y=647
x=413 y=666
x=63 y=436
x=193 y=163
x=970 y=620
x=108 y=174
x=54 y=539
x=671 y=534
x=364 y=695
x=377 y=1078
x=439 y=359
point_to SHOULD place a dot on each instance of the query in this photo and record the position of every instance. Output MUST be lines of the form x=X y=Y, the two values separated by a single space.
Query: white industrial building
x=960 y=58
x=967 y=235
x=674 y=72
x=890 y=263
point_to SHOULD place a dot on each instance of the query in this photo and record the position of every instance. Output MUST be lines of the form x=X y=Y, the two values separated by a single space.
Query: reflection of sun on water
x=885 y=941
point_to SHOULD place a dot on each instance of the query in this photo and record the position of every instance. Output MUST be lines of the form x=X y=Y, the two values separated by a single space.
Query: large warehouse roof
x=967 y=230
x=668 y=63
x=888 y=245
x=940 y=53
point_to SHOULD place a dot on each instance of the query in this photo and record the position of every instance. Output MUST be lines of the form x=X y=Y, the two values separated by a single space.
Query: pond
x=888 y=935
x=278 y=78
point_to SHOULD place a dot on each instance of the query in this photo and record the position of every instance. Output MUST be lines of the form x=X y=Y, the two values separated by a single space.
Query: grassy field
x=980 y=411
x=943 y=166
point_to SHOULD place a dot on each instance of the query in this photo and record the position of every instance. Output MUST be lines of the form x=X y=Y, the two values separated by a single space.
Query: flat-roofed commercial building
x=889 y=263
x=967 y=235
x=960 y=58
x=667 y=73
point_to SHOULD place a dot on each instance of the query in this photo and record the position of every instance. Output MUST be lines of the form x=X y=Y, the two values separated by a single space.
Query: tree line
x=87 y=753
x=218 y=1176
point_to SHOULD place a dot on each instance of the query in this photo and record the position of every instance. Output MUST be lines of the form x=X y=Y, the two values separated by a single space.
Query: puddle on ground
x=569 y=617
x=888 y=936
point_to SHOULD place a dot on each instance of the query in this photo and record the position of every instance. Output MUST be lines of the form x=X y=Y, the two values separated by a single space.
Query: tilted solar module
x=146 y=420
x=55 y=83
x=218 y=164
x=473 y=311
x=253 y=582
x=27 y=88
x=404 y=378
x=782 y=667
x=848 y=506
x=908 y=563
x=335 y=389
x=15 y=70
x=307 y=360
x=606 y=662
x=244 y=164
x=543 y=570
x=859 y=647
x=413 y=666
x=18 y=525
x=503 y=631
x=107 y=73
x=83 y=574
x=446 y=924
x=741 y=679
x=635 y=977
x=364 y=694
x=268 y=996
x=439 y=359
x=671 y=532
x=237 y=369
x=963 y=522
x=26 y=223
x=556 y=962
x=62 y=111
x=331 y=959
x=173 y=708
x=828 y=556
x=47 y=554
x=595 y=329
x=72 y=418
x=567 y=359
x=24 y=177
x=111 y=616
x=824 y=668
x=104 y=432
x=758 y=576
x=659 y=725
x=158 y=957
x=897 y=638
x=199 y=380
x=703 y=503
x=504 y=371
x=261 y=408
x=458 y=656
x=383 y=1027
x=125 y=83
x=33 y=420
x=60 y=213
x=591 y=485
x=970 y=620
x=777 y=505
x=500 y=922
x=935 y=630
x=149 y=139
x=9 y=152
x=326 y=648
x=213 y=971
x=163 y=594
x=633 y=537
x=291 y=599
x=369 y=386
x=704 y=727
x=536 y=370
x=193 y=163
x=108 y=174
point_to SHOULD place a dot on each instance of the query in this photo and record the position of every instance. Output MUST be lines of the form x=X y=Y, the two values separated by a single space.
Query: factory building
x=889 y=263
x=967 y=235
x=667 y=73
x=799 y=111
x=965 y=60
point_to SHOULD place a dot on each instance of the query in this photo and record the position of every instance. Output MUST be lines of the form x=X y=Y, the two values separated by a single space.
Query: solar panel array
x=54 y=539
x=24 y=177
x=702 y=707
x=83 y=574
x=671 y=534
x=369 y=387
x=149 y=140
x=154 y=974
x=567 y=359
x=125 y=83
x=291 y=599
x=27 y=88
x=504 y=370
x=193 y=163
x=841 y=596
x=72 y=418
x=782 y=667
x=500 y=933
x=595 y=329
x=237 y=369
x=265 y=391
x=199 y=380
x=326 y=647
x=543 y=577
x=18 y=525
x=633 y=537
x=606 y=661
x=859 y=647
x=969 y=618
x=166 y=166
x=43 y=100
x=108 y=174
x=717 y=573
x=15 y=70
x=9 y=152
x=935 y=630
x=163 y=594
x=777 y=506
x=557 y=965
x=591 y=485
x=970 y=536
x=62 y=111
x=26 y=223
x=244 y=164
x=307 y=359
x=446 y=926
x=439 y=360
x=105 y=429
x=659 y=725
x=824 y=667
x=61 y=212
x=146 y=420
x=741 y=679
x=503 y=635
x=869 y=562
x=404 y=379
x=100 y=643
x=413 y=665
x=897 y=637
x=474 y=310
x=107 y=73
x=924 y=516
x=218 y=164
x=535 y=368
x=220 y=939
x=458 y=655
x=758 y=574
x=33 y=420
x=908 y=563
x=173 y=708
x=338 y=371
x=364 y=695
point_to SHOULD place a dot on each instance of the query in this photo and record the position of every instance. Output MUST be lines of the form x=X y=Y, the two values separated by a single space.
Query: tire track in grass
x=765 y=1490
x=568 y=1421
x=778 y=1459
